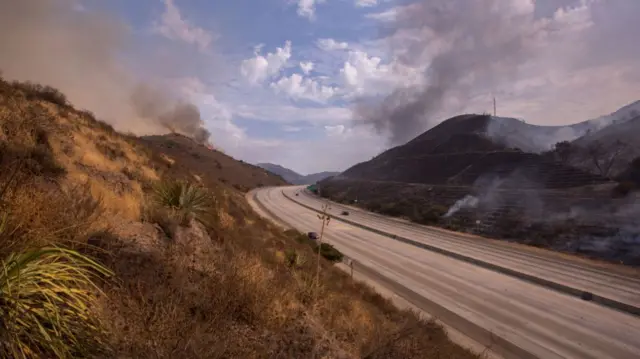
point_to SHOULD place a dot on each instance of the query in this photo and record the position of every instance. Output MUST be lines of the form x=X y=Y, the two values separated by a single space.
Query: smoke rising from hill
x=478 y=40
x=174 y=115
x=58 y=43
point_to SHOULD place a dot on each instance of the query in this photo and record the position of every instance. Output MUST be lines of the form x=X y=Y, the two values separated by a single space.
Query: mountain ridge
x=294 y=177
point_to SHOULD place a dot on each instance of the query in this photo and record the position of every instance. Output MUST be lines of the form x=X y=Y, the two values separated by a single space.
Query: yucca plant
x=46 y=301
x=184 y=200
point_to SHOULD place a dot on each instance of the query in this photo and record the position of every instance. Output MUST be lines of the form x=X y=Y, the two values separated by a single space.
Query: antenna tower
x=494 y=106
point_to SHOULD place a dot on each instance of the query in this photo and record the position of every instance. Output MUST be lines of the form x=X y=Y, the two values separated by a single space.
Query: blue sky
x=278 y=80
x=272 y=67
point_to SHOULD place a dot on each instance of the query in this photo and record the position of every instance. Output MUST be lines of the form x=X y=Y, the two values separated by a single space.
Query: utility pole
x=325 y=222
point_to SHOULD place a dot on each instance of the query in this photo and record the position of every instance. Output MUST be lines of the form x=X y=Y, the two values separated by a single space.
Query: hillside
x=461 y=175
x=293 y=177
x=179 y=269
x=459 y=152
x=534 y=138
x=208 y=166
x=607 y=152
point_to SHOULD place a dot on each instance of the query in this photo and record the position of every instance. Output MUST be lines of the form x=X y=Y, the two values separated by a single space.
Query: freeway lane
x=540 y=321
x=616 y=286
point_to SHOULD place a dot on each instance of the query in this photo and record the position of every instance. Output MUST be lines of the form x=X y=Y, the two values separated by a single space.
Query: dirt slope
x=183 y=155
x=226 y=289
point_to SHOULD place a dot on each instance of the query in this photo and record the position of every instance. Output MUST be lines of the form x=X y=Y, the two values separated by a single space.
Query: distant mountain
x=288 y=175
x=294 y=177
x=315 y=177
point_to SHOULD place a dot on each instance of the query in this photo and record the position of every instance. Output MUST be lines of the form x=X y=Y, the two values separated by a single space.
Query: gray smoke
x=58 y=43
x=467 y=201
x=478 y=42
x=154 y=104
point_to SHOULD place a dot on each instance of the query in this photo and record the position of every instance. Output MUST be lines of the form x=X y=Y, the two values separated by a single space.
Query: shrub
x=46 y=93
x=429 y=215
x=184 y=201
x=46 y=297
x=329 y=252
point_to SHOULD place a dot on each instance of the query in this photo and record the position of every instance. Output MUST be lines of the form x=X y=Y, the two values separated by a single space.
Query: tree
x=604 y=158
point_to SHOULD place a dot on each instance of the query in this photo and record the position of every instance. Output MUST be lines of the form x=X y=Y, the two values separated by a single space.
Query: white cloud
x=259 y=68
x=307 y=8
x=366 y=75
x=306 y=67
x=174 y=27
x=366 y=3
x=387 y=15
x=331 y=44
x=360 y=69
x=298 y=87
x=334 y=130
x=288 y=114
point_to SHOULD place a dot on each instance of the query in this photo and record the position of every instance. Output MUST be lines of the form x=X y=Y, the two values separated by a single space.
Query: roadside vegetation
x=111 y=249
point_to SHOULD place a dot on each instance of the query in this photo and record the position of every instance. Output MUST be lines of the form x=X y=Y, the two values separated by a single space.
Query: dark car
x=313 y=235
x=296 y=193
x=345 y=213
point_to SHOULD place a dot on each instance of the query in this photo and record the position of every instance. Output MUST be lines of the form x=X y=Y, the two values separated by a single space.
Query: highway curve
x=529 y=320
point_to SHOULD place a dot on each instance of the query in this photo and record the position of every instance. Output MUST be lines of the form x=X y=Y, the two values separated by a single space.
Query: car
x=345 y=213
x=313 y=235
x=296 y=193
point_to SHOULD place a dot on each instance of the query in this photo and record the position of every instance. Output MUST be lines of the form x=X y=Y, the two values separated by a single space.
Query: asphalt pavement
x=529 y=319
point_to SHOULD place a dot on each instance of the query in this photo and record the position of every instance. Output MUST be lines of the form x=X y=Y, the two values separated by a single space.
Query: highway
x=530 y=320
x=621 y=287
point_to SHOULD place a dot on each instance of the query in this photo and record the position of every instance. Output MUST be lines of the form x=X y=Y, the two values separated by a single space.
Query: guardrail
x=585 y=295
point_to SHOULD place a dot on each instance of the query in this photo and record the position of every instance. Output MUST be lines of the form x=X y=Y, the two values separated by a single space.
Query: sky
x=320 y=85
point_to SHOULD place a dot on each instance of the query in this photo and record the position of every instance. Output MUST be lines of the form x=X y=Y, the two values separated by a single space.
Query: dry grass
x=224 y=290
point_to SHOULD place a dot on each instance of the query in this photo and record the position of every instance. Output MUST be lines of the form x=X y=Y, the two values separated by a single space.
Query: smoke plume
x=61 y=44
x=467 y=201
x=468 y=44
x=174 y=115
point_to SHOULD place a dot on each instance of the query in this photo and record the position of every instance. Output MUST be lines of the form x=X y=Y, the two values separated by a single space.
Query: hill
x=208 y=166
x=188 y=269
x=459 y=151
x=466 y=175
x=293 y=177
